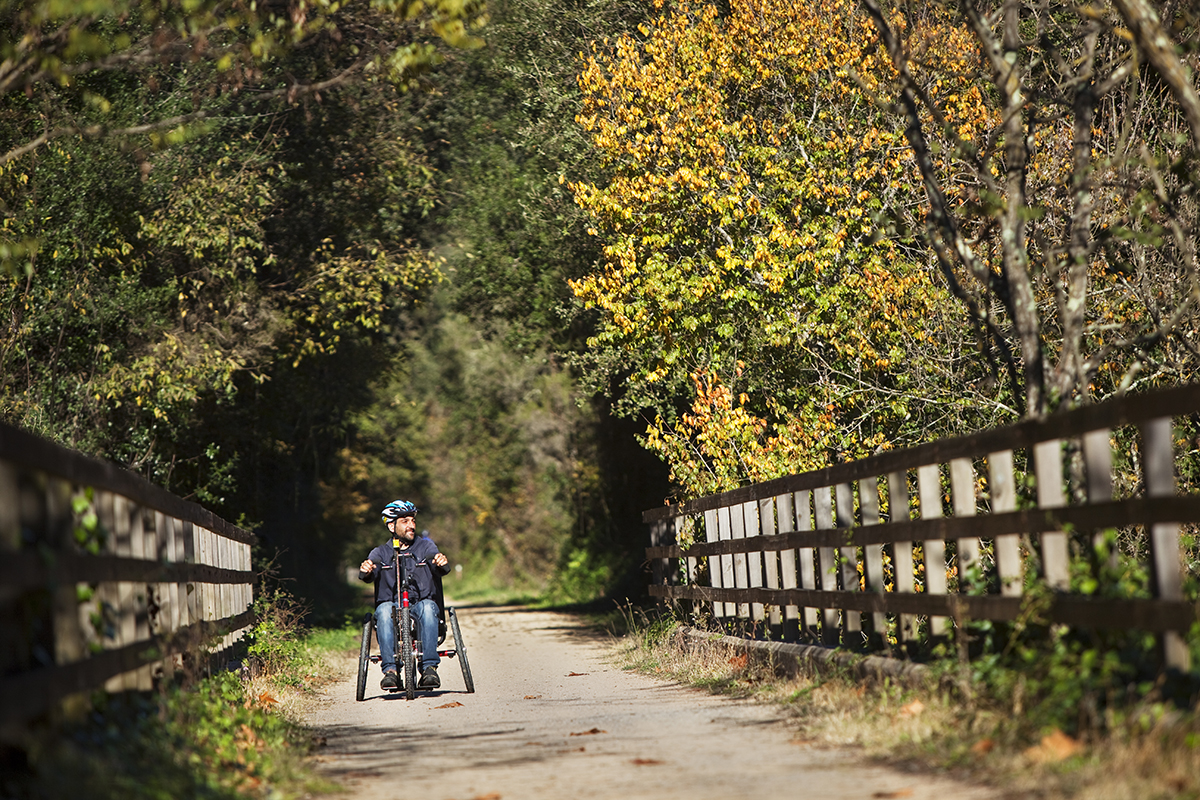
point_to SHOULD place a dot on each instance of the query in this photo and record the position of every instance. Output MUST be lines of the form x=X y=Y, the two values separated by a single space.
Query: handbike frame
x=408 y=646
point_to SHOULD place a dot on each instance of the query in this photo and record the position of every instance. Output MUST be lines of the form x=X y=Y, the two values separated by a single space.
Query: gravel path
x=552 y=719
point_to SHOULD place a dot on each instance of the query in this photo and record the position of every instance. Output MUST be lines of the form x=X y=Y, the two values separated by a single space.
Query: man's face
x=405 y=528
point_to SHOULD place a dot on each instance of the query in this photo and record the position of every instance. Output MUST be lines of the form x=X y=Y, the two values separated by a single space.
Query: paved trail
x=551 y=719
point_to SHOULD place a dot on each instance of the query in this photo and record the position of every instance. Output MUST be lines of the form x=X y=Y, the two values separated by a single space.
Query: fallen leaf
x=455 y=704
x=533 y=697
x=642 y=762
x=1055 y=746
x=265 y=699
x=573 y=750
x=488 y=796
x=895 y=793
x=575 y=674
x=739 y=662
x=801 y=742
x=912 y=709
x=592 y=732
x=983 y=747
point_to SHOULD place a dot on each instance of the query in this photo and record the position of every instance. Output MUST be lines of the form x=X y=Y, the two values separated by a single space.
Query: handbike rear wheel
x=406 y=656
x=461 y=652
x=364 y=658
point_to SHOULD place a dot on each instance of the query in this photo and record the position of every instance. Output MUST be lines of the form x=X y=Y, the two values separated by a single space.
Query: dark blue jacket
x=424 y=550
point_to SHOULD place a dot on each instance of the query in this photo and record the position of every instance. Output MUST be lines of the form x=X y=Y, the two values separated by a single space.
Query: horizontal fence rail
x=897 y=548
x=105 y=579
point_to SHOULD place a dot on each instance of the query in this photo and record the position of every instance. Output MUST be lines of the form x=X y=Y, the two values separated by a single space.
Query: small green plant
x=274 y=639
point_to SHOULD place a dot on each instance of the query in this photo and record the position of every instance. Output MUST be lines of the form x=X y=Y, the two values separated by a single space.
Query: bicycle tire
x=364 y=658
x=406 y=657
x=461 y=651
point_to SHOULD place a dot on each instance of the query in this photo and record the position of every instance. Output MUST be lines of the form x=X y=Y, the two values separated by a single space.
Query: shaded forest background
x=541 y=264
x=301 y=307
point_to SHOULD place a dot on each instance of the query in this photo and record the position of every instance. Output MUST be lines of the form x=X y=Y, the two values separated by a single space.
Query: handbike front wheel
x=461 y=652
x=364 y=658
x=406 y=655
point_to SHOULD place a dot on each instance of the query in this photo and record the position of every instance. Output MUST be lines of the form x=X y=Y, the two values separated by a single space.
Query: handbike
x=408 y=645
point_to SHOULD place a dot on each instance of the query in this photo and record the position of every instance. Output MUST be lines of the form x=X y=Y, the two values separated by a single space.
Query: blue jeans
x=425 y=612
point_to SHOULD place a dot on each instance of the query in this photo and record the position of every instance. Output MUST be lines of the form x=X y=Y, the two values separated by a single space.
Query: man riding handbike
x=420 y=557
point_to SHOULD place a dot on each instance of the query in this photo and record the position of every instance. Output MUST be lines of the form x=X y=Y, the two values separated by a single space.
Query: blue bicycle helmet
x=397 y=509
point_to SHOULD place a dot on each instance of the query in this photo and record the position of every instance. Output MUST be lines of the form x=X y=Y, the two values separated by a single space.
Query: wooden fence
x=829 y=555
x=105 y=579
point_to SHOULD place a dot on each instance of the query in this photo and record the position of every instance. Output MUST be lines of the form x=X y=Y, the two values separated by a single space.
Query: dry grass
x=1154 y=755
x=295 y=697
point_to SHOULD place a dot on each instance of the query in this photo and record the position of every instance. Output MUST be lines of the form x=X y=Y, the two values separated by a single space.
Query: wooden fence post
x=689 y=563
x=766 y=521
x=868 y=504
x=1003 y=492
x=657 y=565
x=741 y=576
x=1097 y=465
x=962 y=491
x=827 y=567
x=902 y=552
x=716 y=578
x=1158 y=463
x=108 y=595
x=851 y=620
x=187 y=538
x=787 y=566
x=69 y=643
x=929 y=488
x=1047 y=467
x=168 y=593
x=808 y=570
x=126 y=602
x=754 y=564
x=143 y=592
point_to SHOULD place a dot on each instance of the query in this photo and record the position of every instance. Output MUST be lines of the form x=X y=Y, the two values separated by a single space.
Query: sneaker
x=390 y=680
x=430 y=679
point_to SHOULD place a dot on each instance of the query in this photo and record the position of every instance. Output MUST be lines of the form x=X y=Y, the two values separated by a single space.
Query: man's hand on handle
x=368 y=566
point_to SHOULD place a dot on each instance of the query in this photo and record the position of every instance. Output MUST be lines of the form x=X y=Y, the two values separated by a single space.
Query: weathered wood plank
x=902 y=551
x=929 y=489
x=827 y=562
x=962 y=492
x=770 y=559
x=1097 y=464
x=851 y=620
x=1158 y=464
x=1051 y=493
x=712 y=535
x=741 y=579
x=1079 y=611
x=1132 y=511
x=754 y=562
x=805 y=556
x=868 y=503
x=1002 y=489
x=789 y=577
